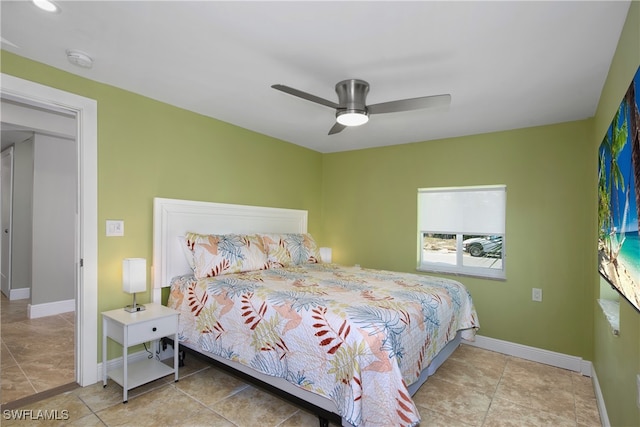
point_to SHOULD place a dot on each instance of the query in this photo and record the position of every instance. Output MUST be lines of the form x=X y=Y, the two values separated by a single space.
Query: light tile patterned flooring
x=37 y=354
x=474 y=387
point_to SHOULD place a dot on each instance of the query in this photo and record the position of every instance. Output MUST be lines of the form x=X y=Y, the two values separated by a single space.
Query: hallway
x=37 y=354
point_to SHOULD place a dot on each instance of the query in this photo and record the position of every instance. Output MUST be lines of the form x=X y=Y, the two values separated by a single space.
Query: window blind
x=468 y=210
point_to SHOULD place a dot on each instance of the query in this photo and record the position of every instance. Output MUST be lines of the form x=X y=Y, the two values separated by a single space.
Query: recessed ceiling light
x=47 y=5
x=79 y=58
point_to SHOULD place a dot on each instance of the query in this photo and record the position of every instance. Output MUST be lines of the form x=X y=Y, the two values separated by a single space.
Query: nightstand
x=128 y=329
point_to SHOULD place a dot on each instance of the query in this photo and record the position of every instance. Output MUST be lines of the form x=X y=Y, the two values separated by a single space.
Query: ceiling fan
x=351 y=109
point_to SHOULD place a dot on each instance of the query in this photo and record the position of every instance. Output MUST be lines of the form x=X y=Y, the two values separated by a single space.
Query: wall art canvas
x=619 y=198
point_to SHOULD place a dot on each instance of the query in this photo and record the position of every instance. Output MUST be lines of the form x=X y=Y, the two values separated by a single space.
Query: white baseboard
x=604 y=417
x=50 y=308
x=560 y=360
x=20 y=293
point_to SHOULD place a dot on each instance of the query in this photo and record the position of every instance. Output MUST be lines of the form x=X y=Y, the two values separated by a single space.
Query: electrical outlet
x=536 y=294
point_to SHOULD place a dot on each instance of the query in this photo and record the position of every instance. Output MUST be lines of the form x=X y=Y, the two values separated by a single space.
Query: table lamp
x=325 y=255
x=134 y=279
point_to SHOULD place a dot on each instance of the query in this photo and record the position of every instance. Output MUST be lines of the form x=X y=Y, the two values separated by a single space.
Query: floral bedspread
x=356 y=336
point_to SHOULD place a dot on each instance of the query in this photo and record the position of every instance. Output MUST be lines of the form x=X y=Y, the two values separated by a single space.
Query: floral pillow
x=290 y=249
x=187 y=250
x=218 y=254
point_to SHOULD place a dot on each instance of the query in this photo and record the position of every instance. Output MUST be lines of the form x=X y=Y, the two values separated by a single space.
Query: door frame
x=86 y=111
x=8 y=153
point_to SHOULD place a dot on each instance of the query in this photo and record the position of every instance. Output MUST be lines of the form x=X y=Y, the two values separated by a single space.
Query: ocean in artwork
x=630 y=254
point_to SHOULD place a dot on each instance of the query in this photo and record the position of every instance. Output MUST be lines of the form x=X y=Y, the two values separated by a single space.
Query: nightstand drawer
x=152 y=329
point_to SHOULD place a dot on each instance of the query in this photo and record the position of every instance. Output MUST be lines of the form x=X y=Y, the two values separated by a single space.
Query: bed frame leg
x=323 y=422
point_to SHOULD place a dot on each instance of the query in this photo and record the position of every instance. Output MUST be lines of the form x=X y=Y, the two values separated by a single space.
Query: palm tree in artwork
x=613 y=145
x=634 y=133
x=604 y=201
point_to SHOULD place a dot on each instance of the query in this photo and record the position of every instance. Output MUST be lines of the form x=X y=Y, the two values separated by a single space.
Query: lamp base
x=134 y=308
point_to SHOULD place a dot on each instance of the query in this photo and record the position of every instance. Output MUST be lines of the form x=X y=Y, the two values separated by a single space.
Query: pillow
x=290 y=249
x=218 y=254
x=187 y=250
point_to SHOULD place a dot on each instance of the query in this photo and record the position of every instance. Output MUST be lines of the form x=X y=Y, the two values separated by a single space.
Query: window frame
x=459 y=268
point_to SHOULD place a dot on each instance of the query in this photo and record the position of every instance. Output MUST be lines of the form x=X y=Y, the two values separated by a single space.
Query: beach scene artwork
x=619 y=198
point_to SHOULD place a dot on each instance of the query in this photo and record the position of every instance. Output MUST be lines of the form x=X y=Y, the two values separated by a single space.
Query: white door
x=6 y=172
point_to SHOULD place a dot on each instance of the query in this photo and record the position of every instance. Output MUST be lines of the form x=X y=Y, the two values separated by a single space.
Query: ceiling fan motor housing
x=352 y=96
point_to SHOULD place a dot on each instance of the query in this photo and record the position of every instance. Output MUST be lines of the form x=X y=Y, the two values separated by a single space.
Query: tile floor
x=475 y=387
x=37 y=354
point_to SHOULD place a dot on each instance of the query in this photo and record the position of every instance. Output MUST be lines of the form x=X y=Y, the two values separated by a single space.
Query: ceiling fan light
x=352 y=118
x=47 y=6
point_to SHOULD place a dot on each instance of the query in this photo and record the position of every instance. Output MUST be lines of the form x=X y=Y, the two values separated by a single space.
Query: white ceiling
x=506 y=64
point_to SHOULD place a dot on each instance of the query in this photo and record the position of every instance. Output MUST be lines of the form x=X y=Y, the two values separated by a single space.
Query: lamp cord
x=148 y=351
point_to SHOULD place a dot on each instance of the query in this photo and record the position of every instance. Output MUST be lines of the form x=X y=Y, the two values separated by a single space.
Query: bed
x=351 y=344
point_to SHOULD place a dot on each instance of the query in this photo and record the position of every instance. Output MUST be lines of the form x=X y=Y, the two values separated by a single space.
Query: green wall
x=617 y=358
x=149 y=149
x=370 y=217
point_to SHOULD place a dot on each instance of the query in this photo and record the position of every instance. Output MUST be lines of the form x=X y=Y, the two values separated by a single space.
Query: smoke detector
x=79 y=58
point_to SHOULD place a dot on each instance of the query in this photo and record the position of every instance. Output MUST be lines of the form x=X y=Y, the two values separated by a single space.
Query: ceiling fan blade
x=336 y=128
x=410 y=104
x=305 y=95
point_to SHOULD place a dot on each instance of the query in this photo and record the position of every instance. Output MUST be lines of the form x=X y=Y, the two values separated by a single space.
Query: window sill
x=500 y=277
x=611 y=310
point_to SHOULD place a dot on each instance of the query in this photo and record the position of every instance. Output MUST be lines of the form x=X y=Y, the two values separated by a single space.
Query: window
x=461 y=230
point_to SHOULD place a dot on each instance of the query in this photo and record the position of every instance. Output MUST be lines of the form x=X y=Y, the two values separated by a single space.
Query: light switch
x=115 y=227
x=536 y=294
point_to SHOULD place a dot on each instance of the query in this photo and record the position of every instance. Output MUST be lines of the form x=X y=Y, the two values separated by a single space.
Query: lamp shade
x=325 y=254
x=134 y=275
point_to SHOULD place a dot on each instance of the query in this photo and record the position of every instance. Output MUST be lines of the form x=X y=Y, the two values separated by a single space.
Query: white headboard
x=173 y=218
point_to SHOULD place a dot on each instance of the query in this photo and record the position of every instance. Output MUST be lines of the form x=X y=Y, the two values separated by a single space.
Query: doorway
x=86 y=312
x=39 y=184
